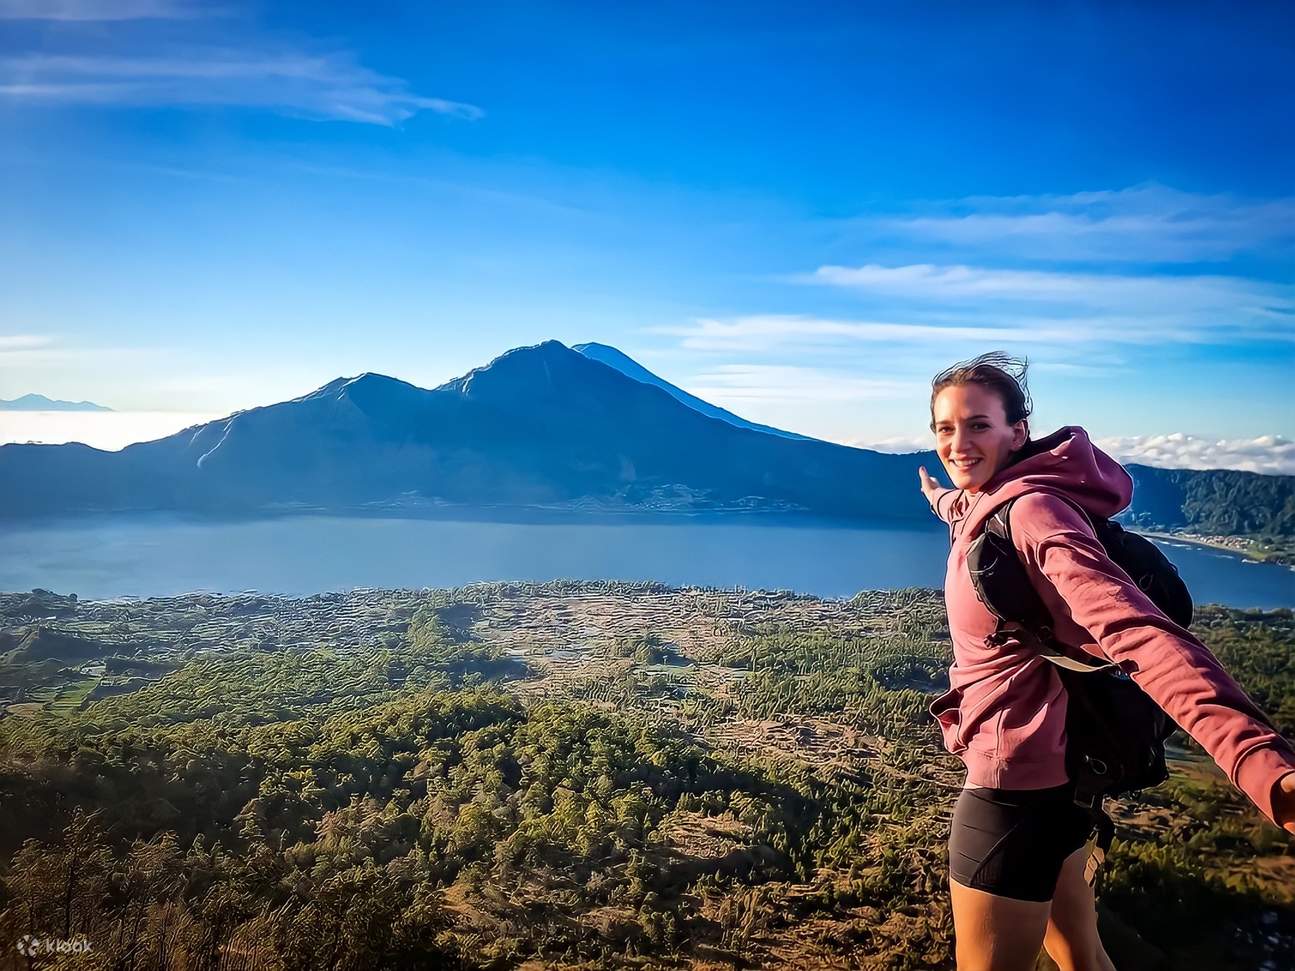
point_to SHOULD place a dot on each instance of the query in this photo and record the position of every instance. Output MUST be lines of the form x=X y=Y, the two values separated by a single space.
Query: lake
x=157 y=555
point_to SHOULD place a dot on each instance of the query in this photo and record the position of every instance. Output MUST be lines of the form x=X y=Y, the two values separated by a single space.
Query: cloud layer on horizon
x=1266 y=454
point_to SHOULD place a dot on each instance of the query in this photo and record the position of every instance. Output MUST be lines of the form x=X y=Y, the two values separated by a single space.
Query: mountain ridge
x=622 y=362
x=38 y=402
x=538 y=426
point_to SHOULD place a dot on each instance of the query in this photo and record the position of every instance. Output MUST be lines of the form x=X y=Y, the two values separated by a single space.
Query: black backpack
x=1115 y=732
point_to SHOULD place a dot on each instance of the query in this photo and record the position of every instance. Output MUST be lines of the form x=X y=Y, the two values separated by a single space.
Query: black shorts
x=1012 y=842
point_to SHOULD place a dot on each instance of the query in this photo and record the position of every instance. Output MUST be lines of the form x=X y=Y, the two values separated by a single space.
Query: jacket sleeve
x=1072 y=572
x=943 y=503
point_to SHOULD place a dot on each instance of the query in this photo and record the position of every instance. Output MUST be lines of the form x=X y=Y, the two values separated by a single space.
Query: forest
x=512 y=776
x=1221 y=502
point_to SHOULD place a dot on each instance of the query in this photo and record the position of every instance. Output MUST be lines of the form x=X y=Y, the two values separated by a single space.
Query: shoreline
x=1199 y=540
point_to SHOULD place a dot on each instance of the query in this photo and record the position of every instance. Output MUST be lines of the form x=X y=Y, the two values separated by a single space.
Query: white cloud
x=327 y=86
x=895 y=445
x=1146 y=223
x=1041 y=305
x=744 y=383
x=91 y=10
x=22 y=352
x=148 y=380
x=983 y=301
x=970 y=329
x=1051 y=278
x=110 y=431
x=1270 y=454
x=20 y=343
x=925 y=282
x=761 y=332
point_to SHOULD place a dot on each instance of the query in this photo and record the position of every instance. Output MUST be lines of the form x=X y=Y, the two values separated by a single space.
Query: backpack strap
x=1012 y=619
x=1104 y=828
x=1002 y=583
x=1045 y=643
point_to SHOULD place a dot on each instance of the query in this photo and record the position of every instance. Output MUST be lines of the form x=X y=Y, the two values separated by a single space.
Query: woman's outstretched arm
x=941 y=500
x=1072 y=572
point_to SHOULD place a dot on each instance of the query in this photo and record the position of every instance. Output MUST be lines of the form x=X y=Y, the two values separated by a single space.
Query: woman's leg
x=1071 y=939
x=993 y=933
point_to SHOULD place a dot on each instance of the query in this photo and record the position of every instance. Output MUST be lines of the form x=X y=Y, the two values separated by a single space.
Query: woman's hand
x=928 y=485
x=1284 y=802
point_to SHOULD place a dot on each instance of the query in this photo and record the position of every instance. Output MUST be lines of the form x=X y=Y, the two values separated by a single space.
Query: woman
x=1018 y=845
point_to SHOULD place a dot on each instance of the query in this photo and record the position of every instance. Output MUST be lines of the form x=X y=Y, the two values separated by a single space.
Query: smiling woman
x=981 y=423
x=1018 y=845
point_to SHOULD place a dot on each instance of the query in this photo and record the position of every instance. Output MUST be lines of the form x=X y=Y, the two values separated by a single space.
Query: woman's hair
x=998 y=372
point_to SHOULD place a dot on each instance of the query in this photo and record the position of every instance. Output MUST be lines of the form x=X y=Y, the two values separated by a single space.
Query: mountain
x=38 y=402
x=631 y=368
x=1222 y=502
x=539 y=426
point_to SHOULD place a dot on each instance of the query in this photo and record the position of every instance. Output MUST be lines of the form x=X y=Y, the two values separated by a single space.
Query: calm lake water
x=163 y=555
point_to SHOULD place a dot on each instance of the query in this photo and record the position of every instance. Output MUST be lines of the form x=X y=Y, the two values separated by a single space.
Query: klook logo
x=31 y=946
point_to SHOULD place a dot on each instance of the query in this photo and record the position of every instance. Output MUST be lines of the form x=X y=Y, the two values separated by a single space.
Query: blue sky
x=802 y=215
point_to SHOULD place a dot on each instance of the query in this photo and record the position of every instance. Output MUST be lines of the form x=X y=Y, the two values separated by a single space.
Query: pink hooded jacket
x=1005 y=711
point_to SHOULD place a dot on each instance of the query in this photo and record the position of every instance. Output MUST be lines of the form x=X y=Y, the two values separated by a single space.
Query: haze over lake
x=160 y=555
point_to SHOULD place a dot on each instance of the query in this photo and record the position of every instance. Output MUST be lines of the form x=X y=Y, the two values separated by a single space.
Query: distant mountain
x=1222 y=502
x=540 y=426
x=537 y=426
x=38 y=402
x=631 y=368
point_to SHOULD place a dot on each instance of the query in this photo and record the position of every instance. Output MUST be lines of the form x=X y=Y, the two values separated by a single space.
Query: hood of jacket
x=1065 y=462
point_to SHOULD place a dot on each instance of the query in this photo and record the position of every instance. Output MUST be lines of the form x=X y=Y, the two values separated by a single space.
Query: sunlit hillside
x=563 y=775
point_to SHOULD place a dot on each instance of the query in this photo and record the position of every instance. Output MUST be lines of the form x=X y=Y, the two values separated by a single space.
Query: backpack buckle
x=1088 y=797
x=998 y=638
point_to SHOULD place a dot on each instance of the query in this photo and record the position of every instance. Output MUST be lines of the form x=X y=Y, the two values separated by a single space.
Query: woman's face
x=972 y=436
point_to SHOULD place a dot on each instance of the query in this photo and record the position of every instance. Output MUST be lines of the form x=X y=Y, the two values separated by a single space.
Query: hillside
x=584 y=775
x=40 y=643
